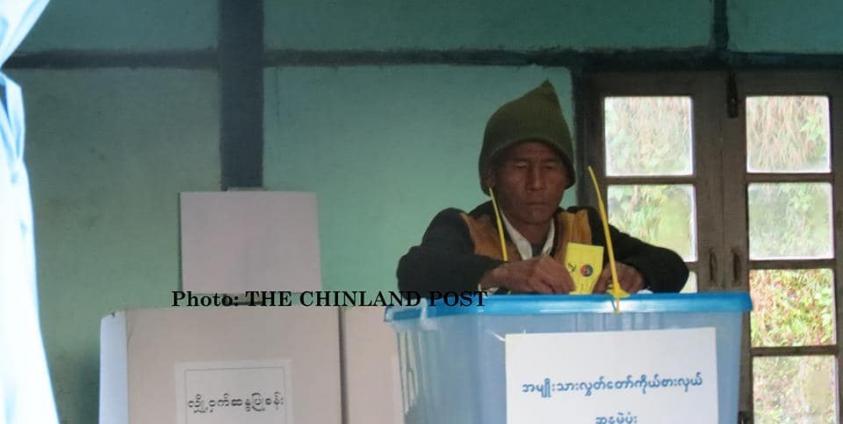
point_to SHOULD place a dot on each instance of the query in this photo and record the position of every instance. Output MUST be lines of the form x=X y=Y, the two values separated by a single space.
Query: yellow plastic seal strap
x=500 y=226
x=617 y=291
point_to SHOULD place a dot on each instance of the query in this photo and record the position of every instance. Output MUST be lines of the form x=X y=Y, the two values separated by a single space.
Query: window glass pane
x=691 y=284
x=648 y=135
x=663 y=215
x=787 y=134
x=790 y=220
x=794 y=390
x=792 y=307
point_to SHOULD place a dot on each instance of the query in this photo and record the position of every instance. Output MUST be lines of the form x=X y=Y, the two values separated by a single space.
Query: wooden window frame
x=720 y=178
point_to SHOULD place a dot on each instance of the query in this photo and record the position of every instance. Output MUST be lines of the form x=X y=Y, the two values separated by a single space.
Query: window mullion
x=709 y=101
x=591 y=140
x=735 y=219
x=836 y=121
x=794 y=350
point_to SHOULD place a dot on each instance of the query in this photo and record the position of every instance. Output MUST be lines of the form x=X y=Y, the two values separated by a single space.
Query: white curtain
x=25 y=393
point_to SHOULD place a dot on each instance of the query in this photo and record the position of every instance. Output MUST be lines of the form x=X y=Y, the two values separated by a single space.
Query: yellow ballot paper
x=585 y=263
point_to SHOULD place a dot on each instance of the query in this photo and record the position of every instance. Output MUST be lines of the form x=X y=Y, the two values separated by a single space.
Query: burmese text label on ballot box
x=631 y=376
x=246 y=365
x=552 y=358
x=223 y=392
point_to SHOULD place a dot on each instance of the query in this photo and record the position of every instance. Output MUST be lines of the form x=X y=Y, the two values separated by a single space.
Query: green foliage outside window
x=647 y=136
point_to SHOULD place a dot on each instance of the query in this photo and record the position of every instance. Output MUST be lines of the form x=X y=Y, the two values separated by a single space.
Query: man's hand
x=630 y=279
x=542 y=274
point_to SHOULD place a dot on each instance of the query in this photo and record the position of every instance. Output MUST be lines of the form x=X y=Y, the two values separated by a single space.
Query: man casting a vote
x=521 y=241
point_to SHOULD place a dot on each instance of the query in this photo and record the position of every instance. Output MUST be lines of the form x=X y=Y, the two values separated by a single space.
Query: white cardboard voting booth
x=236 y=241
x=371 y=378
x=241 y=364
x=220 y=365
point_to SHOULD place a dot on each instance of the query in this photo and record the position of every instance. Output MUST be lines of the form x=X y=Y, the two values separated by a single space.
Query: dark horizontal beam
x=582 y=60
x=543 y=57
x=395 y=57
x=83 y=59
x=588 y=60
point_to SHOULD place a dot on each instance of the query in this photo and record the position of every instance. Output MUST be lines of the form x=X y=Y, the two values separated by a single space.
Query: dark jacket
x=455 y=251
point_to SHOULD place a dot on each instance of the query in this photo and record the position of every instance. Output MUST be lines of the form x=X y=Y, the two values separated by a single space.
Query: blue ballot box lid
x=534 y=304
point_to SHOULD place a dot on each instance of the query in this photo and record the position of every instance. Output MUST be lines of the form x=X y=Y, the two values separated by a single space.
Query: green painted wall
x=384 y=148
x=108 y=152
x=527 y=24
x=790 y=26
x=125 y=25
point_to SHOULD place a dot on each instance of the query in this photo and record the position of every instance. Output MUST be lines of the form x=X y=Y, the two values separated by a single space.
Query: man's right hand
x=542 y=274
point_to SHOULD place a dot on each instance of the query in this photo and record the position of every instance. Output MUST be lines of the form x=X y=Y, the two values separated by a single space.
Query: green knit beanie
x=534 y=116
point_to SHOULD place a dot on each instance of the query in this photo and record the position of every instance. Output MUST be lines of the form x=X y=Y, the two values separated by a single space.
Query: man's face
x=529 y=180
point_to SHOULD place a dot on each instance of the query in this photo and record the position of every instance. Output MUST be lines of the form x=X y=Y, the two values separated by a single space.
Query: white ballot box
x=371 y=380
x=220 y=365
x=662 y=358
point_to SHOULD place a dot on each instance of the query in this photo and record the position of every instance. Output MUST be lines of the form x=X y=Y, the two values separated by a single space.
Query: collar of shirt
x=525 y=249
